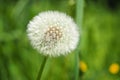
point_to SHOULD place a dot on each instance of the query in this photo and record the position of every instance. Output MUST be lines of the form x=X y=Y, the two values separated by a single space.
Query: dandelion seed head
x=53 y=33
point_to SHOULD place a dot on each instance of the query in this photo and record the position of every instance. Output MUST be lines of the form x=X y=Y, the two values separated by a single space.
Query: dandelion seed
x=53 y=33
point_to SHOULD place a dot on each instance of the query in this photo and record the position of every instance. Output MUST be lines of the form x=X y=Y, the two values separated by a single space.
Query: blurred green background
x=100 y=41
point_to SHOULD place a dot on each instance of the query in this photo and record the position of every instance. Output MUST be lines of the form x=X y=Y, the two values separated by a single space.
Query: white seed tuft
x=53 y=33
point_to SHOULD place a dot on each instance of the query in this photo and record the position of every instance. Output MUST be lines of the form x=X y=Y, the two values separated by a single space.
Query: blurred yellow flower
x=114 y=68
x=83 y=66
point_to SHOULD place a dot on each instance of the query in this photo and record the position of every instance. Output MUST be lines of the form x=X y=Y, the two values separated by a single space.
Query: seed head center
x=53 y=34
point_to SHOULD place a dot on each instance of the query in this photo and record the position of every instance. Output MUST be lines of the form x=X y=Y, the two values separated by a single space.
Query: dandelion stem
x=41 y=68
x=79 y=19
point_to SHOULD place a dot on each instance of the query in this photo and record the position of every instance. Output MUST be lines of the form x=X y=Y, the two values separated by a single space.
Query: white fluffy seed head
x=53 y=33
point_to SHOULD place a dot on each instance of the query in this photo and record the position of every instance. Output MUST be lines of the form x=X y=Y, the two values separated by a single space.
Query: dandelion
x=114 y=68
x=53 y=33
x=83 y=66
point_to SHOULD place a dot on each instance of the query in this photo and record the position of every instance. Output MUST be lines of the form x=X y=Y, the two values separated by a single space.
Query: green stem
x=76 y=66
x=79 y=12
x=41 y=68
x=79 y=19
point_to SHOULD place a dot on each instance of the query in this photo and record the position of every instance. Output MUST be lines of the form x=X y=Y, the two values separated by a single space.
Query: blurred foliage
x=100 y=40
